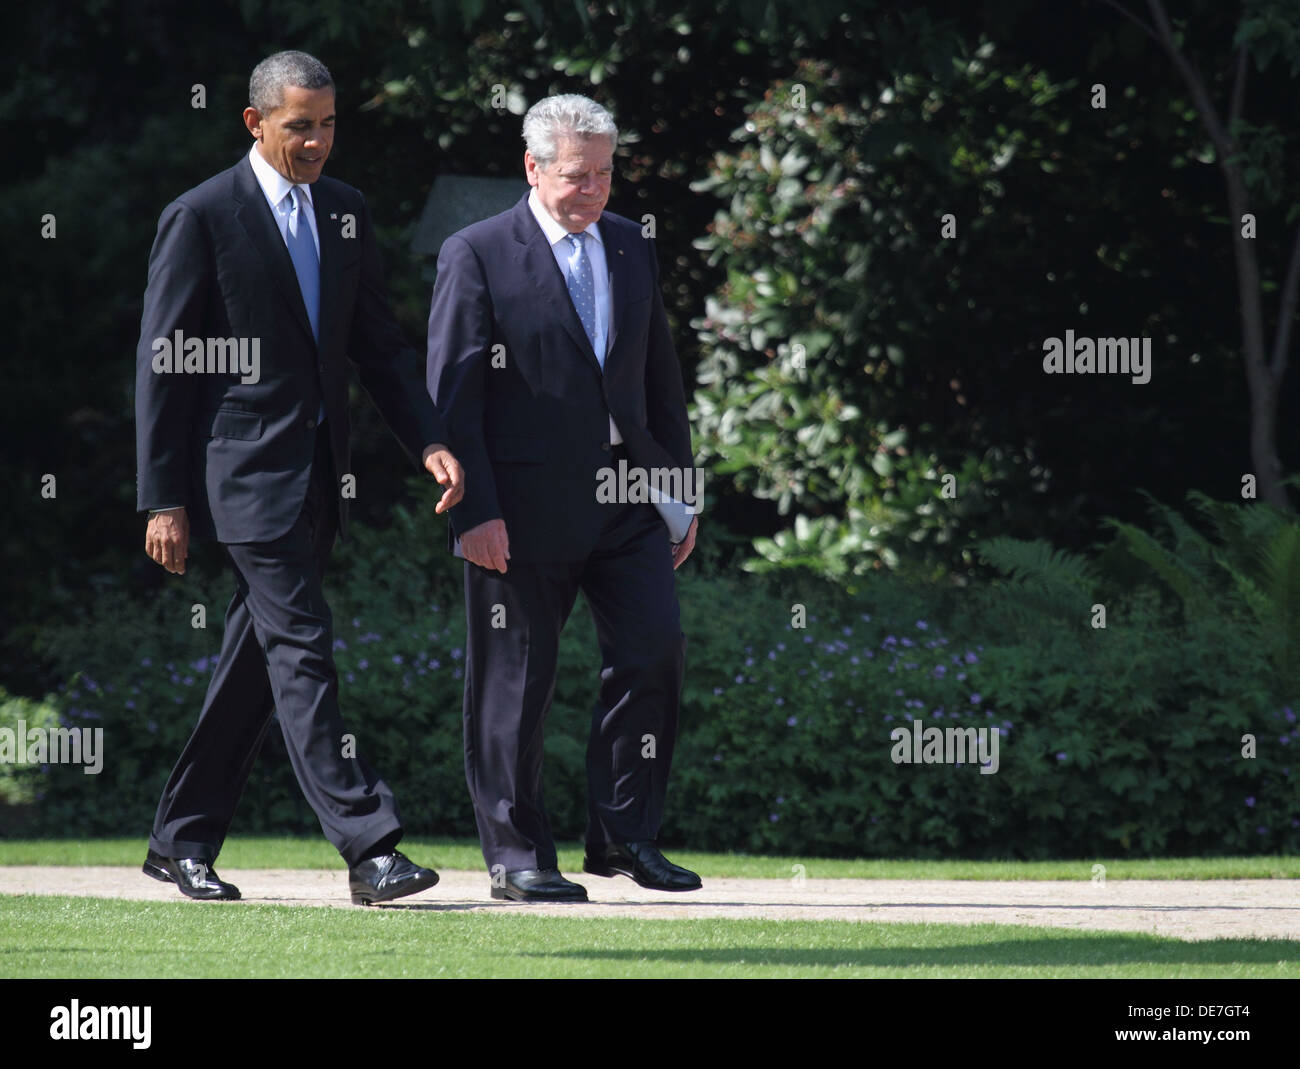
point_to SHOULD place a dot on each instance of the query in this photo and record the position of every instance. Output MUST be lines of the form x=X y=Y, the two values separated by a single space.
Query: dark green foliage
x=778 y=721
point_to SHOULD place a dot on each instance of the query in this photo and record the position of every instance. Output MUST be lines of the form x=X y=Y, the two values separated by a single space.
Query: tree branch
x=1195 y=83
x=1282 y=339
x=1132 y=18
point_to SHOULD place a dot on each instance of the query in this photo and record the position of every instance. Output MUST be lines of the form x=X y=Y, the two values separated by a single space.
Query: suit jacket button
x=311 y=423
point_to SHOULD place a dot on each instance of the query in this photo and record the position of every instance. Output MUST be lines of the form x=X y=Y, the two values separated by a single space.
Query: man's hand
x=487 y=545
x=443 y=466
x=167 y=539
x=683 y=548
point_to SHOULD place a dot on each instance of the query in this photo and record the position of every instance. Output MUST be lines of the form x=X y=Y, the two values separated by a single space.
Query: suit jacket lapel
x=614 y=256
x=331 y=257
x=539 y=264
x=254 y=215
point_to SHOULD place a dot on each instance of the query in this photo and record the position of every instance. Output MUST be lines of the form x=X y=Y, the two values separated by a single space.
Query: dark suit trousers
x=277 y=656
x=510 y=681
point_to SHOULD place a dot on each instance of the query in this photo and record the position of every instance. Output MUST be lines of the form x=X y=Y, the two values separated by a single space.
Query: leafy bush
x=20 y=715
x=1123 y=740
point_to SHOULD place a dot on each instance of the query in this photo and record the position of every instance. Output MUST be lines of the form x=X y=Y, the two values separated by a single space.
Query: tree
x=1250 y=158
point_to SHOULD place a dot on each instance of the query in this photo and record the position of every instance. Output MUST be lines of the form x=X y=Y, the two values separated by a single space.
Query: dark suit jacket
x=238 y=455
x=532 y=433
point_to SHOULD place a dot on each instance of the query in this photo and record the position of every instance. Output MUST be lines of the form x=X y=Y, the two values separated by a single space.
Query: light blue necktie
x=302 y=251
x=582 y=289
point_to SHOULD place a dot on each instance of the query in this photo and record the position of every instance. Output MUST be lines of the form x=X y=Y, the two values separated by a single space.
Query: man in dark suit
x=551 y=360
x=261 y=281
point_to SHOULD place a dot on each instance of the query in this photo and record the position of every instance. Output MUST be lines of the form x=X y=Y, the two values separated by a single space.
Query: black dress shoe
x=641 y=862
x=195 y=878
x=539 y=885
x=389 y=876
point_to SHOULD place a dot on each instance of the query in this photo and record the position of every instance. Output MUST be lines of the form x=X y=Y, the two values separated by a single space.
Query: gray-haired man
x=551 y=361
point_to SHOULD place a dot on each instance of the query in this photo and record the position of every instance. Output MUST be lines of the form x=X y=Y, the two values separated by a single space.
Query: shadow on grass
x=1048 y=949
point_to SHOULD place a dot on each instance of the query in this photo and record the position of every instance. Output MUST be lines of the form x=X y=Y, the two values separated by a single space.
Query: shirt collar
x=273 y=183
x=554 y=231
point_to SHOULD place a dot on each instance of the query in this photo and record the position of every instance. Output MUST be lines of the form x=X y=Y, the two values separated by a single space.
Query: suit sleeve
x=175 y=299
x=387 y=366
x=460 y=334
x=666 y=417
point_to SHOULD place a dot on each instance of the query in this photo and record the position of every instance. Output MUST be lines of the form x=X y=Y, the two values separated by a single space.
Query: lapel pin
x=334 y=215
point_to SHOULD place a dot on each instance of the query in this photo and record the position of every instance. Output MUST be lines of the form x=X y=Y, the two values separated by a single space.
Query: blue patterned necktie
x=582 y=289
x=302 y=251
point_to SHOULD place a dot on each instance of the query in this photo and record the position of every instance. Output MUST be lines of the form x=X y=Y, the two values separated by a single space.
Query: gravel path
x=1186 y=909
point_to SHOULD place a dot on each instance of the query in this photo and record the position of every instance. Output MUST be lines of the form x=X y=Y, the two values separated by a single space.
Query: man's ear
x=253 y=120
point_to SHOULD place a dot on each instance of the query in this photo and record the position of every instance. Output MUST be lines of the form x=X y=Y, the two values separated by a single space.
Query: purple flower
x=907 y=642
x=774 y=817
x=363 y=664
x=739 y=679
x=792 y=721
x=921 y=625
x=940 y=670
x=1251 y=802
x=1262 y=830
x=975 y=699
x=717 y=691
x=781 y=701
x=397 y=658
x=1062 y=756
x=1290 y=716
x=780 y=799
x=971 y=658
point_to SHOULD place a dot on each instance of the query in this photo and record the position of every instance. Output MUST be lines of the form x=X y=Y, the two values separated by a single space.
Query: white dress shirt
x=555 y=234
x=276 y=189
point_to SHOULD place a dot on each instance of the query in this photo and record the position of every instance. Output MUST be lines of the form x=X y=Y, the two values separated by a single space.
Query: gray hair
x=566 y=115
x=271 y=76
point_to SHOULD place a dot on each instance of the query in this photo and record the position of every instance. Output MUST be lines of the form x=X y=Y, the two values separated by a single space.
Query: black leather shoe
x=389 y=876
x=641 y=862
x=195 y=878
x=539 y=885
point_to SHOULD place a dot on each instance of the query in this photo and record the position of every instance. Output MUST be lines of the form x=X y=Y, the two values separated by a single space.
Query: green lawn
x=84 y=937
x=316 y=853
